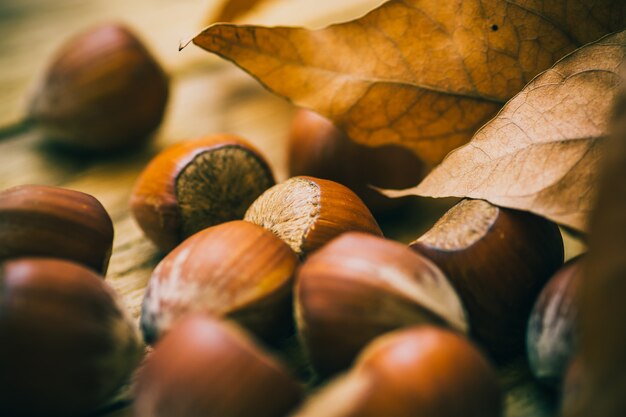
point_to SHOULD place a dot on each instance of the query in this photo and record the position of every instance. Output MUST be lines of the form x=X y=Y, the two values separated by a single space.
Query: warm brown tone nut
x=196 y=184
x=102 y=92
x=319 y=149
x=422 y=371
x=67 y=344
x=550 y=338
x=237 y=270
x=307 y=212
x=207 y=368
x=498 y=260
x=37 y=220
x=359 y=286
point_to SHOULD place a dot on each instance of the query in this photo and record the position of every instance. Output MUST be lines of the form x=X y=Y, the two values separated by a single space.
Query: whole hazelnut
x=236 y=270
x=316 y=147
x=308 y=212
x=421 y=371
x=37 y=220
x=498 y=260
x=67 y=343
x=360 y=286
x=196 y=184
x=208 y=368
x=550 y=337
x=103 y=91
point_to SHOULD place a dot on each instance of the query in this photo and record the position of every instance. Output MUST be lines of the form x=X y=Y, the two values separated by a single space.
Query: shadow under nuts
x=104 y=91
x=67 y=343
x=420 y=371
x=359 y=286
x=196 y=184
x=308 y=212
x=498 y=260
x=208 y=368
x=37 y=220
x=236 y=270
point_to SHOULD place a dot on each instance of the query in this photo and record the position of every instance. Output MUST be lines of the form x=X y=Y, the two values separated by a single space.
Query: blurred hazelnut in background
x=316 y=147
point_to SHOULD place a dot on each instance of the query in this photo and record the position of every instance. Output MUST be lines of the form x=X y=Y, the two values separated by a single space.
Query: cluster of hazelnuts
x=250 y=262
x=247 y=261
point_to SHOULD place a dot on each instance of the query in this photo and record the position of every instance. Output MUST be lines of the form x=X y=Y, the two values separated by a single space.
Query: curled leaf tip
x=183 y=43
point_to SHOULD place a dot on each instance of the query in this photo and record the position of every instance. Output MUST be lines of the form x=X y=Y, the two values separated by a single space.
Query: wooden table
x=208 y=95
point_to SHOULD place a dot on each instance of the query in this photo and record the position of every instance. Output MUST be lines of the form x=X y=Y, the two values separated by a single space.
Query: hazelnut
x=307 y=212
x=236 y=269
x=319 y=149
x=359 y=286
x=67 y=343
x=498 y=260
x=208 y=368
x=196 y=184
x=420 y=371
x=550 y=337
x=37 y=220
x=103 y=91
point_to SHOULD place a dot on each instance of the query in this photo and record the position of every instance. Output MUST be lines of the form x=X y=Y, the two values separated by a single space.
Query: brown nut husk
x=498 y=260
x=103 y=91
x=67 y=343
x=37 y=220
x=208 y=368
x=421 y=371
x=237 y=270
x=317 y=148
x=308 y=212
x=360 y=286
x=196 y=184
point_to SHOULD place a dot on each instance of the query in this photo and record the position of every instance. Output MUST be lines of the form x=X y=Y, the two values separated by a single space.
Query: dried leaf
x=422 y=73
x=232 y=9
x=541 y=152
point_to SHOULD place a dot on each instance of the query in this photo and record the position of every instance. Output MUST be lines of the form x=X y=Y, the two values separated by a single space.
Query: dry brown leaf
x=540 y=153
x=422 y=73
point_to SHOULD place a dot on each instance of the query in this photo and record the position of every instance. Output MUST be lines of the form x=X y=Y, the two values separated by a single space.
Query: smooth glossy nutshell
x=208 y=368
x=196 y=184
x=319 y=149
x=67 y=344
x=103 y=91
x=308 y=212
x=360 y=286
x=551 y=334
x=498 y=260
x=38 y=220
x=420 y=371
x=236 y=270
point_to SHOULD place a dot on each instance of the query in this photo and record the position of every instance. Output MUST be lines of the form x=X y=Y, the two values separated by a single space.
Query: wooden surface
x=208 y=96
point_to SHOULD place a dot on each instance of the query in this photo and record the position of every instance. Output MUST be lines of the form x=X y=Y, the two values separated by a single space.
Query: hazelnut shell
x=67 y=343
x=37 y=220
x=236 y=270
x=103 y=91
x=360 y=286
x=308 y=212
x=498 y=260
x=550 y=337
x=208 y=368
x=196 y=184
x=420 y=371
x=319 y=149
